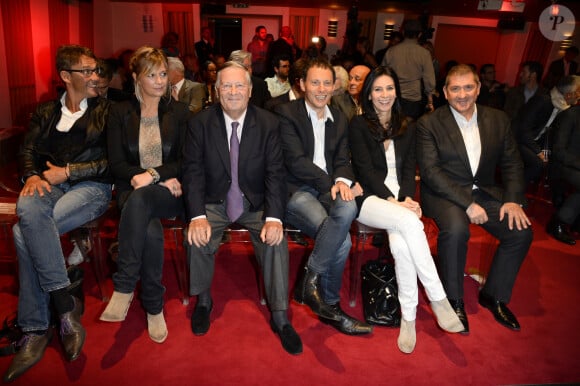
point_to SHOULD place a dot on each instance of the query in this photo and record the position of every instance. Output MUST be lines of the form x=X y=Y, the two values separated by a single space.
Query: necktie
x=174 y=92
x=234 y=200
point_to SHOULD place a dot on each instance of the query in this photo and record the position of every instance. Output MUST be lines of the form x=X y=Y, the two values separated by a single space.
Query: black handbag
x=379 y=293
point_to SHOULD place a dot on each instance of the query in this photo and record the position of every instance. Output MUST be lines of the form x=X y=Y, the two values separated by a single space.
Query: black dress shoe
x=347 y=324
x=200 y=319
x=72 y=333
x=31 y=350
x=500 y=312
x=289 y=338
x=459 y=308
x=306 y=292
x=558 y=230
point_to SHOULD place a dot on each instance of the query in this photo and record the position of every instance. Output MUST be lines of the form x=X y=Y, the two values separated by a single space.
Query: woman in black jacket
x=383 y=157
x=145 y=138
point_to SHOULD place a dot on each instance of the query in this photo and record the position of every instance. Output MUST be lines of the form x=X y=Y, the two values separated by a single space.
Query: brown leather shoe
x=31 y=350
x=72 y=333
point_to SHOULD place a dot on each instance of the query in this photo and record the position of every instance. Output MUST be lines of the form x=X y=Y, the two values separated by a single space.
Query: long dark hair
x=398 y=123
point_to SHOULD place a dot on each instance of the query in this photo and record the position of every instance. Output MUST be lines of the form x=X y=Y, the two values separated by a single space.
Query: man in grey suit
x=459 y=149
x=184 y=90
x=233 y=171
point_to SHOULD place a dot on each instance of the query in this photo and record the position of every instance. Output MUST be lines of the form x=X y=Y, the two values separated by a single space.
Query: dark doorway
x=228 y=35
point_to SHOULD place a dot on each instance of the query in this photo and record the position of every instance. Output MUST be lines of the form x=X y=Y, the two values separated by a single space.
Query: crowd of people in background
x=332 y=140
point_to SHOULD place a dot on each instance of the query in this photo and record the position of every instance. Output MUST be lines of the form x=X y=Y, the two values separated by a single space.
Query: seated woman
x=145 y=137
x=383 y=157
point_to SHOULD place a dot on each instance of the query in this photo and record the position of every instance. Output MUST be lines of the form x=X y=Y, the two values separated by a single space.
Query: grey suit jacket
x=446 y=175
x=192 y=94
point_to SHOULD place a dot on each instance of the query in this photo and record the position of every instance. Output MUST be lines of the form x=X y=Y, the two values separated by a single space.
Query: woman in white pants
x=383 y=155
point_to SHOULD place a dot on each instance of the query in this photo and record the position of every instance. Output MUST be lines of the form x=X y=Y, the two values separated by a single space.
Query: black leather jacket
x=87 y=160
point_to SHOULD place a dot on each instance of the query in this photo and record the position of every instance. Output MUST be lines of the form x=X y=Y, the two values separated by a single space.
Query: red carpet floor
x=241 y=349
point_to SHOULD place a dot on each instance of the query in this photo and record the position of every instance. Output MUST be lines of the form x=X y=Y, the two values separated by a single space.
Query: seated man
x=315 y=144
x=566 y=171
x=279 y=83
x=242 y=183
x=459 y=149
x=184 y=90
x=64 y=167
x=532 y=123
x=349 y=102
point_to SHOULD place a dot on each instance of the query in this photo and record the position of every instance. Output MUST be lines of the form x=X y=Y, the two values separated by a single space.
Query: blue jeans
x=328 y=223
x=41 y=264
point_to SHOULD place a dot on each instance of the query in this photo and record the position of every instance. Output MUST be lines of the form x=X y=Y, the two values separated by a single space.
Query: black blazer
x=206 y=162
x=445 y=172
x=298 y=146
x=280 y=99
x=260 y=92
x=566 y=146
x=370 y=164
x=123 y=141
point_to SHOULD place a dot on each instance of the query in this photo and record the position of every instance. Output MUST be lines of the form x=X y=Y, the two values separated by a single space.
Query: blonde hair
x=143 y=61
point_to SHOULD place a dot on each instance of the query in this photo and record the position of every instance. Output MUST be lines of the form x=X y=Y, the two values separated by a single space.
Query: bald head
x=356 y=78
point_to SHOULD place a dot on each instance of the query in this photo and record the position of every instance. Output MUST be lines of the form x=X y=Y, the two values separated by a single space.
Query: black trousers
x=141 y=243
x=454 y=235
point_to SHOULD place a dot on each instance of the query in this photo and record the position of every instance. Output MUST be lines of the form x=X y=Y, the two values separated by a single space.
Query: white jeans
x=410 y=250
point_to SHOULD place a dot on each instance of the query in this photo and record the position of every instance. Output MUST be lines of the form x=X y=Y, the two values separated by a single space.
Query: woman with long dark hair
x=383 y=156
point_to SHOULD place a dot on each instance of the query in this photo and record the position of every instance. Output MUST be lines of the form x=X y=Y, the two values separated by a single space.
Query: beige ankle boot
x=446 y=317
x=157 y=327
x=407 y=336
x=117 y=308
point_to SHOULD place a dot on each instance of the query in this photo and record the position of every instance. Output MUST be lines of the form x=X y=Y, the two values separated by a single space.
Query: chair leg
x=355 y=267
x=180 y=264
x=99 y=261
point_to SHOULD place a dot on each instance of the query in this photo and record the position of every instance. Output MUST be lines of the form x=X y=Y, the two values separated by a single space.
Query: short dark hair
x=572 y=50
x=258 y=28
x=319 y=63
x=484 y=68
x=69 y=55
x=278 y=58
x=535 y=68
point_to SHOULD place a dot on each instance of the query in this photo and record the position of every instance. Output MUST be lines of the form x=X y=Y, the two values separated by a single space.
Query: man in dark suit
x=562 y=67
x=184 y=90
x=228 y=137
x=204 y=48
x=315 y=145
x=459 y=149
x=565 y=174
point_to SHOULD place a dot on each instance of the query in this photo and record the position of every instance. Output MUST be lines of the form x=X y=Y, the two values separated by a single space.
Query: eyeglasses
x=227 y=87
x=86 y=72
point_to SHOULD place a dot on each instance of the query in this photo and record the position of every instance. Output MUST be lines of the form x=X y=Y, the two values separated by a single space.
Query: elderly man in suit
x=233 y=171
x=315 y=145
x=459 y=149
x=184 y=90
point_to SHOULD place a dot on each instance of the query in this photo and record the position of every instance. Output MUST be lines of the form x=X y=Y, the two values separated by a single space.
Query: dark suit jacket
x=123 y=141
x=193 y=94
x=206 y=162
x=298 y=145
x=280 y=99
x=530 y=120
x=260 y=92
x=556 y=72
x=566 y=146
x=204 y=51
x=370 y=164
x=446 y=176
x=344 y=103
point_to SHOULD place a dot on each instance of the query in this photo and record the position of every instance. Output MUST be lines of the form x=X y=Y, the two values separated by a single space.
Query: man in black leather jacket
x=64 y=167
